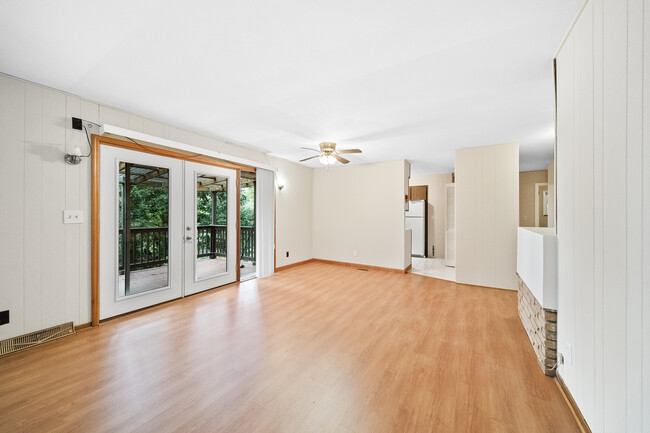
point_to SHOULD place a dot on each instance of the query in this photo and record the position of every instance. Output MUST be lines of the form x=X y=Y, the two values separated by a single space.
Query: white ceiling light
x=327 y=159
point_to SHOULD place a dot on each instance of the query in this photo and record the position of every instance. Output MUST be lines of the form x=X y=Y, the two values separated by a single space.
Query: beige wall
x=603 y=214
x=551 y=194
x=541 y=218
x=527 y=181
x=408 y=240
x=45 y=273
x=360 y=208
x=487 y=213
x=437 y=202
x=293 y=212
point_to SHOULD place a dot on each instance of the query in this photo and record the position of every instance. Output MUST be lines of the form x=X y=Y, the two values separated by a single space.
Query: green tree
x=150 y=206
x=247 y=206
x=204 y=208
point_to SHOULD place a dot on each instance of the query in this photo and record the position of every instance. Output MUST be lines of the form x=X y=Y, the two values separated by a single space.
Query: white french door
x=210 y=227
x=167 y=229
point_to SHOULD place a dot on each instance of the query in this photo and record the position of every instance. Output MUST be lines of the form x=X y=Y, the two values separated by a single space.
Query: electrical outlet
x=354 y=253
x=287 y=253
x=568 y=355
x=4 y=317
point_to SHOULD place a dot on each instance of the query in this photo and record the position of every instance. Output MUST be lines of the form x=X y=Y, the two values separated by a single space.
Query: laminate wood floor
x=317 y=347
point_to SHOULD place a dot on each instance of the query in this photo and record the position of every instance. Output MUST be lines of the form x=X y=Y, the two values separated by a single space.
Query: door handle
x=188 y=238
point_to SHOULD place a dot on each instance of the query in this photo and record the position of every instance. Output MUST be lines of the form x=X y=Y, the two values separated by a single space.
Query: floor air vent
x=32 y=339
x=362 y=269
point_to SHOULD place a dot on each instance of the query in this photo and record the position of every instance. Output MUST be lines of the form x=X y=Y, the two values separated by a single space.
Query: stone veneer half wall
x=540 y=325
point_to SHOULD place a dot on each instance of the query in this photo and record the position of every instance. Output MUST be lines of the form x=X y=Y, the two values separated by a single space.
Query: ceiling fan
x=328 y=154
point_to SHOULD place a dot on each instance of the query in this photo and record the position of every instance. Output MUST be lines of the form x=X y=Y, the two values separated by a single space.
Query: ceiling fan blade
x=349 y=151
x=307 y=159
x=340 y=159
x=309 y=148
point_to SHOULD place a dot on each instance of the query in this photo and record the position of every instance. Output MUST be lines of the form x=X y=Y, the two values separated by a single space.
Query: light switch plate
x=73 y=216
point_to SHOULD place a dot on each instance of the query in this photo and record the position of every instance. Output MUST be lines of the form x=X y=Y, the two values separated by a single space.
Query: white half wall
x=360 y=208
x=603 y=214
x=44 y=264
x=487 y=215
x=537 y=263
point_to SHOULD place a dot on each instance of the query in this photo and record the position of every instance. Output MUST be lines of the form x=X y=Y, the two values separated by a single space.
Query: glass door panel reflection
x=143 y=238
x=212 y=222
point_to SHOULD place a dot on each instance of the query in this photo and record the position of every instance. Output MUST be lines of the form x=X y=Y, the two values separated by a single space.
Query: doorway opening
x=430 y=220
x=248 y=230
x=541 y=204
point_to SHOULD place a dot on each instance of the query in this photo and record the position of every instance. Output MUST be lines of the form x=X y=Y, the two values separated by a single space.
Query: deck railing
x=247 y=243
x=149 y=248
x=149 y=245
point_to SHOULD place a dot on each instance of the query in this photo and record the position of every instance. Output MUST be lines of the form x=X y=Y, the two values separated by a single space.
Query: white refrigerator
x=416 y=221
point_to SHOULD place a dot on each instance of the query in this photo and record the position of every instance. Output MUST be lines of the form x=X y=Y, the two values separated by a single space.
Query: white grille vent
x=32 y=339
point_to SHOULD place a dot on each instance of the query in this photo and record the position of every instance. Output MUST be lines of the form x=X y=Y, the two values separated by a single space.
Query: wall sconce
x=277 y=181
x=75 y=156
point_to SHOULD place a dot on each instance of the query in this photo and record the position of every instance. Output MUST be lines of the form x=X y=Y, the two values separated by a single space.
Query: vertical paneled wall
x=487 y=215
x=603 y=214
x=45 y=264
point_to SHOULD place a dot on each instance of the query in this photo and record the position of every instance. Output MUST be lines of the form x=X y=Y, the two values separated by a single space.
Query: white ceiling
x=398 y=79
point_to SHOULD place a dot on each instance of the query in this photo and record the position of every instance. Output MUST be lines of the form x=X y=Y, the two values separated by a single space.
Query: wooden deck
x=317 y=347
x=154 y=278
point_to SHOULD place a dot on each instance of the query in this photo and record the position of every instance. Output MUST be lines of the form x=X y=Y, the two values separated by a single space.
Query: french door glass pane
x=143 y=247
x=212 y=224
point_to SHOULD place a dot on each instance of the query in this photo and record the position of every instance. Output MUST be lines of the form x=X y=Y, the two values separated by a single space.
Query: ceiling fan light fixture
x=327 y=159
x=328 y=155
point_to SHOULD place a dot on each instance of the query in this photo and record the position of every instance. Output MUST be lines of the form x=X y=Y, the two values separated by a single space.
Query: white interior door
x=210 y=231
x=141 y=230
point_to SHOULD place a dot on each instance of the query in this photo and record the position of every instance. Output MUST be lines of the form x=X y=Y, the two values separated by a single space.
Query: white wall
x=360 y=208
x=294 y=212
x=44 y=264
x=603 y=214
x=437 y=207
x=487 y=215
